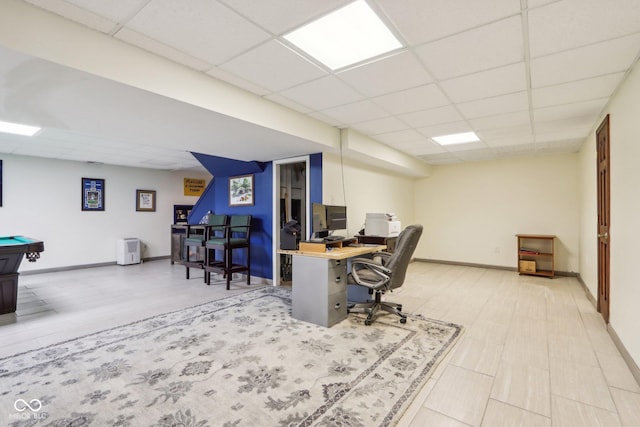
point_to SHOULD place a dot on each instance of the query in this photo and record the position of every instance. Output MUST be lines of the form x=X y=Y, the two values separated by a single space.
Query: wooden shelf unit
x=539 y=249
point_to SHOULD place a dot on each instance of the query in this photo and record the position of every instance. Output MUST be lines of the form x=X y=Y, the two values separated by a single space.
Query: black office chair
x=197 y=235
x=384 y=272
x=238 y=236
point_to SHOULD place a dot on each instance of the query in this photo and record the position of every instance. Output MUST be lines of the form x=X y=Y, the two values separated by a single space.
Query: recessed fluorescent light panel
x=456 y=138
x=347 y=36
x=17 y=129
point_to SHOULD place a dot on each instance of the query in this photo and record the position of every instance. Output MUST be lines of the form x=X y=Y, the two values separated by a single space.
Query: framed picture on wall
x=145 y=200
x=181 y=213
x=92 y=194
x=241 y=190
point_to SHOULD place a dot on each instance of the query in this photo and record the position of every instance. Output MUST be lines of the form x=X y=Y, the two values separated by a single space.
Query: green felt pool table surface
x=20 y=244
x=16 y=240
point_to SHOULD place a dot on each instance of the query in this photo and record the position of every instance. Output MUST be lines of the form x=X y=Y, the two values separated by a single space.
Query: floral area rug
x=239 y=361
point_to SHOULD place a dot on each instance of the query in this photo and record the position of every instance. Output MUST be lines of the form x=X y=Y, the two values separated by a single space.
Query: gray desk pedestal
x=319 y=291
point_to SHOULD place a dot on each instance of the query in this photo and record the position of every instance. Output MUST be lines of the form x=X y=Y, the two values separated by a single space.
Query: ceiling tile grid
x=527 y=76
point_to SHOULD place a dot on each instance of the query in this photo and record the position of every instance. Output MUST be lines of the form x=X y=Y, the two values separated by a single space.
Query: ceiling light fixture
x=18 y=129
x=456 y=138
x=345 y=37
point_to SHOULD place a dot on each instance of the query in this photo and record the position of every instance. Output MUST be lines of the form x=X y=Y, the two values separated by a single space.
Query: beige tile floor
x=534 y=351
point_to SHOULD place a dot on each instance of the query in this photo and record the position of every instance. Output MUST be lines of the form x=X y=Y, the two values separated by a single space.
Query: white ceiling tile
x=378 y=126
x=8 y=146
x=99 y=16
x=589 y=109
x=415 y=99
x=328 y=119
x=397 y=72
x=407 y=135
x=485 y=84
x=279 y=16
x=565 y=145
x=323 y=93
x=582 y=90
x=433 y=116
x=511 y=102
x=519 y=118
x=572 y=23
x=40 y=150
x=532 y=4
x=445 y=129
x=440 y=158
x=136 y=39
x=419 y=148
x=273 y=66
x=489 y=46
x=519 y=133
x=561 y=133
x=476 y=155
x=519 y=149
x=477 y=145
x=283 y=100
x=115 y=10
x=392 y=98
x=237 y=81
x=420 y=21
x=507 y=141
x=599 y=59
x=356 y=112
x=192 y=26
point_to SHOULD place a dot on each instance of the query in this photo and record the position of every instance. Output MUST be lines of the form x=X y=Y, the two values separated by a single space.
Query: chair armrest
x=370 y=264
x=383 y=255
x=379 y=272
x=372 y=284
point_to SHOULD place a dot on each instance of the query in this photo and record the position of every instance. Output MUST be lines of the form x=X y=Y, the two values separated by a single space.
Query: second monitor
x=327 y=218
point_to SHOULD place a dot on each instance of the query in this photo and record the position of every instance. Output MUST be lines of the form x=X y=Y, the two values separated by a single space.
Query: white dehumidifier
x=128 y=251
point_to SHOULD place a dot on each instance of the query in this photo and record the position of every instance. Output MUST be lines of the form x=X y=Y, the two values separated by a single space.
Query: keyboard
x=333 y=238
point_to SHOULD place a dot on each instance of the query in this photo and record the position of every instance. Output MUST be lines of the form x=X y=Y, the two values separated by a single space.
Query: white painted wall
x=588 y=260
x=624 y=125
x=367 y=190
x=42 y=199
x=472 y=211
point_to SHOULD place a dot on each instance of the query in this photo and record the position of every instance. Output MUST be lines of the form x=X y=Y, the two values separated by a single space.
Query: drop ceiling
x=529 y=77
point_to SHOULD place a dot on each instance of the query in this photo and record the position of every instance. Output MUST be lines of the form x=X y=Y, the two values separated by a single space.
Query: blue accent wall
x=215 y=198
x=315 y=178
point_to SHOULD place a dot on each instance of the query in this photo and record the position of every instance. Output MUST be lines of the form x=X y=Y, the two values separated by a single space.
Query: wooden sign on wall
x=194 y=186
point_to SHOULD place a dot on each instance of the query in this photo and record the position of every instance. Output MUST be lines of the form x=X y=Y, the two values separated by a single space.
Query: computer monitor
x=319 y=220
x=336 y=217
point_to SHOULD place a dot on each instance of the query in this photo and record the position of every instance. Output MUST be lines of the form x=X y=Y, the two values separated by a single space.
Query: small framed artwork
x=241 y=190
x=92 y=194
x=181 y=213
x=145 y=200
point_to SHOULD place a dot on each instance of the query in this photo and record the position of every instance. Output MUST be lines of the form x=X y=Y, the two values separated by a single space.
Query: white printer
x=382 y=224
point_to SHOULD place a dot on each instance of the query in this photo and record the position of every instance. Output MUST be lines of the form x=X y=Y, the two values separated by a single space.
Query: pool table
x=12 y=249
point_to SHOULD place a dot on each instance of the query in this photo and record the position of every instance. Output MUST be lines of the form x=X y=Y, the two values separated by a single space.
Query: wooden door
x=602 y=136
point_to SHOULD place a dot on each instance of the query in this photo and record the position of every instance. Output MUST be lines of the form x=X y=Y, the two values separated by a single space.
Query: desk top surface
x=339 y=253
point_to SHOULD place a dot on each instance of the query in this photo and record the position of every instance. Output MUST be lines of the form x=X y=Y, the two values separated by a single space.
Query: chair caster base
x=403 y=320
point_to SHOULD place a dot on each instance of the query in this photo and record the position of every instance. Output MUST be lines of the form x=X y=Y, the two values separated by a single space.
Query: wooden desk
x=378 y=240
x=319 y=287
